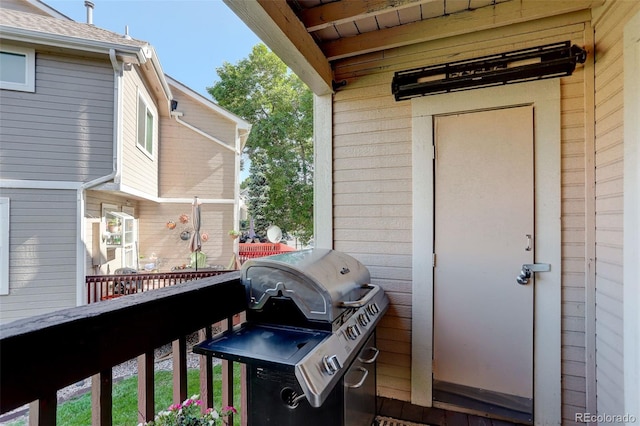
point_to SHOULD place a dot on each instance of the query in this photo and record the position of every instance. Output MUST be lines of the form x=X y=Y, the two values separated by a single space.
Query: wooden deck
x=432 y=416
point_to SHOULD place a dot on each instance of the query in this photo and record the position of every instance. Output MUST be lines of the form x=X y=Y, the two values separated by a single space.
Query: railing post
x=146 y=399
x=227 y=378
x=101 y=399
x=206 y=373
x=179 y=369
x=243 y=395
x=43 y=411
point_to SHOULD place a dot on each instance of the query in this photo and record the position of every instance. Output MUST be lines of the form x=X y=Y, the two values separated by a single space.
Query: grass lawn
x=77 y=412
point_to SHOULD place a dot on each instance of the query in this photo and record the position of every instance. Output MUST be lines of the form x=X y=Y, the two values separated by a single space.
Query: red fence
x=104 y=287
x=253 y=250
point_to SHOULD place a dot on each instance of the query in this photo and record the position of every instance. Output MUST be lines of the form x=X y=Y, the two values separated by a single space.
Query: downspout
x=241 y=137
x=81 y=261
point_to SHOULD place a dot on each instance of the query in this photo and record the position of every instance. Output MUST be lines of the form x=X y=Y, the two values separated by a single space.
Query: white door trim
x=544 y=95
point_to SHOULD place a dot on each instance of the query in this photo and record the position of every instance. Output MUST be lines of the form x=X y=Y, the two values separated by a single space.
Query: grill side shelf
x=263 y=345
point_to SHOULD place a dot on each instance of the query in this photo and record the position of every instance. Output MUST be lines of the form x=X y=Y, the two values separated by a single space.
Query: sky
x=191 y=37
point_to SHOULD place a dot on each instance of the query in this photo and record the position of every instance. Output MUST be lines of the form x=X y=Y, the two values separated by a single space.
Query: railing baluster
x=43 y=411
x=206 y=373
x=179 y=369
x=101 y=398
x=243 y=395
x=227 y=377
x=146 y=399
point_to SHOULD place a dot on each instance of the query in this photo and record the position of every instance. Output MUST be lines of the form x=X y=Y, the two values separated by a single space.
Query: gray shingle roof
x=23 y=21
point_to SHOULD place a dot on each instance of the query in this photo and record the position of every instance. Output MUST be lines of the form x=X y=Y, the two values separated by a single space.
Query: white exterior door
x=484 y=233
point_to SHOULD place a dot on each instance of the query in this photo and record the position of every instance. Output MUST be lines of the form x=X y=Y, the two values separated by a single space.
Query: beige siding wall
x=191 y=163
x=156 y=238
x=139 y=171
x=609 y=149
x=372 y=188
x=42 y=252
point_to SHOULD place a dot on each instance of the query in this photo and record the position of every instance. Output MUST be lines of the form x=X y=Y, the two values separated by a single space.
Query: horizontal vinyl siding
x=372 y=188
x=192 y=164
x=155 y=237
x=42 y=241
x=63 y=131
x=609 y=152
x=139 y=171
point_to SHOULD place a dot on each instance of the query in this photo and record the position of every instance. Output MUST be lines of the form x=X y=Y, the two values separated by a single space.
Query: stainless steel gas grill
x=309 y=339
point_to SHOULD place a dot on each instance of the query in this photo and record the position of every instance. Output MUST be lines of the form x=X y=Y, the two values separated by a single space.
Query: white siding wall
x=63 y=131
x=609 y=150
x=372 y=184
x=42 y=241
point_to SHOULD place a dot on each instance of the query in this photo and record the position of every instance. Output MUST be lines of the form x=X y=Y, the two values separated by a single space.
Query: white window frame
x=29 y=73
x=148 y=111
x=4 y=246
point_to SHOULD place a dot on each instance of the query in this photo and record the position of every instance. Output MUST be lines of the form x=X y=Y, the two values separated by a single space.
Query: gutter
x=133 y=54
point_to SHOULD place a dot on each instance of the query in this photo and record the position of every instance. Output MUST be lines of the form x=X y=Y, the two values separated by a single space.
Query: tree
x=263 y=91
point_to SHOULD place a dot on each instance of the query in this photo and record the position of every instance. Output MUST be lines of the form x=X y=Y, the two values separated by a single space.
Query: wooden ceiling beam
x=500 y=15
x=340 y=12
x=279 y=28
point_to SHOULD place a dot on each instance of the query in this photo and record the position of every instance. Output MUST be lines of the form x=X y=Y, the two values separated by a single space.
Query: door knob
x=528 y=268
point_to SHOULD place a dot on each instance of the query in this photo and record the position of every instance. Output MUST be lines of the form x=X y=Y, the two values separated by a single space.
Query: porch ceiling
x=311 y=35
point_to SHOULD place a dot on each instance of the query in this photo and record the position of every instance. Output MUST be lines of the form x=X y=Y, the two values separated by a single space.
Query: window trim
x=4 y=245
x=30 y=69
x=148 y=112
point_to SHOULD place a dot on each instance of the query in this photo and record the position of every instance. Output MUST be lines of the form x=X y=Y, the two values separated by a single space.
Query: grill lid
x=316 y=280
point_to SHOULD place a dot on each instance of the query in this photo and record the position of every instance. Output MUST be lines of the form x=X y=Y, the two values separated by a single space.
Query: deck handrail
x=105 y=287
x=45 y=353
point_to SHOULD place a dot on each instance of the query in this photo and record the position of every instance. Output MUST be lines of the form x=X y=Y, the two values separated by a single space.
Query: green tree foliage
x=263 y=91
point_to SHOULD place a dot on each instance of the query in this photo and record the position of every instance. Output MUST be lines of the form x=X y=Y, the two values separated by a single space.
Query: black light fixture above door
x=536 y=63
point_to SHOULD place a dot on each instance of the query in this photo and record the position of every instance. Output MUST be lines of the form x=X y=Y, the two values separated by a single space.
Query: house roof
x=16 y=24
x=65 y=33
x=311 y=36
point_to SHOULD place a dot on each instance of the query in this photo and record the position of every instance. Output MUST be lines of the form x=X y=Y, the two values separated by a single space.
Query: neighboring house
x=93 y=132
x=441 y=198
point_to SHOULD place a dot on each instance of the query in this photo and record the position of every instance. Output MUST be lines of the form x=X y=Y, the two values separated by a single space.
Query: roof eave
x=132 y=53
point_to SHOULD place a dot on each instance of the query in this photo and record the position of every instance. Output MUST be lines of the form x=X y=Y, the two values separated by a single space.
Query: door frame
x=544 y=95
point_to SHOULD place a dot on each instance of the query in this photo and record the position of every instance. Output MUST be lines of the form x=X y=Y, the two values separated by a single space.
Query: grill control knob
x=353 y=332
x=363 y=319
x=331 y=364
x=373 y=309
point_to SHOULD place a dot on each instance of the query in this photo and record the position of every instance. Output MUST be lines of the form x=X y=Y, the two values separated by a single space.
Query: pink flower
x=230 y=409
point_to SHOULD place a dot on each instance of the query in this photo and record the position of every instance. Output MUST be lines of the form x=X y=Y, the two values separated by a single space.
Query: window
x=17 y=69
x=145 y=126
x=4 y=246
